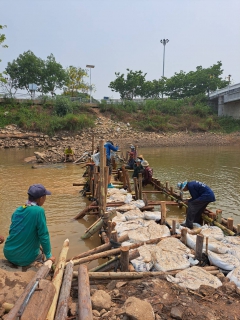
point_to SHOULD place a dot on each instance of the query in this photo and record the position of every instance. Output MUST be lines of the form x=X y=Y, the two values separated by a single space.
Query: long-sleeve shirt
x=109 y=147
x=27 y=232
x=147 y=176
x=200 y=191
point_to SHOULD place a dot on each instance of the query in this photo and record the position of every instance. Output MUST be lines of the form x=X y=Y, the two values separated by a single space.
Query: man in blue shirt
x=109 y=146
x=201 y=195
x=28 y=230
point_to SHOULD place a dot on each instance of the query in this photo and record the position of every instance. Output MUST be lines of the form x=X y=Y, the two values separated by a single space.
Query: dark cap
x=37 y=191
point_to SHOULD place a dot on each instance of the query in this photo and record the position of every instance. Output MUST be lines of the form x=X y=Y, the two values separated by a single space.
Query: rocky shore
x=51 y=148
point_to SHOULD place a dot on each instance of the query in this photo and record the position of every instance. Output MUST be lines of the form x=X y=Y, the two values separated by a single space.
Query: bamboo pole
x=116 y=251
x=124 y=259
x=209 y=220
x=84 y=300
x=57 y=278
x=103 y=247
x=62 y=307
x=40 y=274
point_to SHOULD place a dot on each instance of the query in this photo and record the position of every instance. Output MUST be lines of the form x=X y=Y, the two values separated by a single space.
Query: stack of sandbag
x=234 y=276
x=212 y=232
x=144 y=262
x=192 y=278
x=224 y=261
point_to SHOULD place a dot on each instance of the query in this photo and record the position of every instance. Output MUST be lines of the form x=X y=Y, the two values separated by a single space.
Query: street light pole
x=90 y=66
x=164 y=42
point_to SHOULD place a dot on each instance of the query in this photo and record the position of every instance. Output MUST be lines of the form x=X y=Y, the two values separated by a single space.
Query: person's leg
x=109 y=165
x=194 y=212
x=201 y=207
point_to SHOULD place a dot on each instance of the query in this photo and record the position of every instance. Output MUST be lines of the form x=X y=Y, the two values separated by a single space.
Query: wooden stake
x=173 y=226
x=230 y=224
x=93 y=144
x=124 y=176
x=136 y=188
x=114 y=236
x=199 y=247
x=184 y=235
x=140 y=186
x=84 y=300
x=109 y=228
x=57 y=278
x=124 y=259
x=206 y=218
x=102 y=197
x=128 y=181
x=219 y=216
x=238 y=228
x=163 y=212
x=206 y=245
x=62 y=308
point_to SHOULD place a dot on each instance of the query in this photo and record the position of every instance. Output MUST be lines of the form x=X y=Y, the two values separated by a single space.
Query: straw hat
x=145 y=163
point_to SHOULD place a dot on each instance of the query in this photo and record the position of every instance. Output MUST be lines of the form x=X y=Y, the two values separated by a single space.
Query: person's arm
x=43 y=234
x=2 y=239
x=113 y=148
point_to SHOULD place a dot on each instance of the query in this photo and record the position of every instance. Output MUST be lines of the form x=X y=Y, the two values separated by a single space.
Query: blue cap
x=181 y=185
x=37 y=191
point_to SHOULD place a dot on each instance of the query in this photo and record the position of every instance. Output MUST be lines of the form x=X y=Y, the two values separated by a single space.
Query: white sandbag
x=192 y=278
x=152 y=215
x=128 y=198
x=96 y=158
x=174 y=245
x=116 y=197
x=157 y=230
x=133 y=214
x=234 y=250
x=224 y=261
x=126 y=226
x=144 y=262
x=126 y=243
x=138 y=203
x=234 y=276
x=212 y=232
x=169 y=260
x=191 y=241
x=139 y=234
x=126 y=207
x=232 y=240
x=118 y=218
x=215 y=246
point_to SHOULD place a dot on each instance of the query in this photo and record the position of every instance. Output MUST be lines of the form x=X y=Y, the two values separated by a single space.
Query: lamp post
x=164 y=42
x=90 y=66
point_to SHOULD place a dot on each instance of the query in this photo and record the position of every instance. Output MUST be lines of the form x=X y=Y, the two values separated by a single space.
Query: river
x=218 y=167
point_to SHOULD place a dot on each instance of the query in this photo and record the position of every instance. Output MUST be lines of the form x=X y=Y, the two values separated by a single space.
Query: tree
x=154 y=89
x=196 y=82
x=130 y=87
x=53 y=76
x=75 y=81
x=26 y=69
x=2 y=39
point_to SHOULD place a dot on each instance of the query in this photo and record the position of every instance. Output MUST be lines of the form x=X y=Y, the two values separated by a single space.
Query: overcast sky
x=115 y=35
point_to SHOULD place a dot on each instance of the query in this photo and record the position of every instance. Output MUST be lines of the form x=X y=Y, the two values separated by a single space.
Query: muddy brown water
x=219 y=167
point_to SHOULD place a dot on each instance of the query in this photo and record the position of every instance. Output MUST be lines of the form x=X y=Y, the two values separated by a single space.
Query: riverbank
x=120 y=133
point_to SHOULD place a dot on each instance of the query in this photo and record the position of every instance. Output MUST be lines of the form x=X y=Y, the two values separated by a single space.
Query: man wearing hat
x=147 y=173
x=138 y=168
x=201 y=195
x=131 y=161
x=28 y=230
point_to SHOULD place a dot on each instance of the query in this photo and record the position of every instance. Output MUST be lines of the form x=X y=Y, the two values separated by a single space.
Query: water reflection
x=216 y=166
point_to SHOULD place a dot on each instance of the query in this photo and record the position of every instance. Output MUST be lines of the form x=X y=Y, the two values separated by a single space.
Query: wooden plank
x=84 y=299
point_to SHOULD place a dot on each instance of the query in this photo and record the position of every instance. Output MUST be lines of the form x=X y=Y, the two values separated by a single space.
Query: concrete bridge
x=227 y=101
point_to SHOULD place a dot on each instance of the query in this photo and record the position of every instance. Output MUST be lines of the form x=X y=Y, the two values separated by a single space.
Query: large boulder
x=101 y=300
x=136 y=308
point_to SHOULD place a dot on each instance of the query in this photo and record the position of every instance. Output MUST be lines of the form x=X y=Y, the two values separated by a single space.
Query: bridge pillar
x=220 y=106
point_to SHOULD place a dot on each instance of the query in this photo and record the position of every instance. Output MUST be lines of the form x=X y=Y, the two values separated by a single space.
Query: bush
x=62 y=106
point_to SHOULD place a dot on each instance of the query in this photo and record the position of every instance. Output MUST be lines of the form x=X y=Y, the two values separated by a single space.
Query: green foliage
x=62 y=106
x=73 y=122
x=130 y=87
x=228 y=124
x=75 y=81
x=2 y=39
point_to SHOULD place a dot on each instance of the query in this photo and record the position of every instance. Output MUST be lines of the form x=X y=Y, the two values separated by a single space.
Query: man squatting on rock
x=28 y=230
x=201 y=195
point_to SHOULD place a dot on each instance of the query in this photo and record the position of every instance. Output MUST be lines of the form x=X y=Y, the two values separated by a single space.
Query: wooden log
x=238 y=228
x=57 y=278
x=62 y=307
x=147 y=208
x=40 y=274
x=173 y=226
x=124 y=176
x=206 y=245
x=230 y=224
x=76 y=184
x=128 y=182
x=97 y=226
x=227 y=231
x=103 y=247
x=104 y=236
x=163 y=212
x=85 y=210
x=102 y=195
x=219 y=216
x=116 y=251
x=145 y=199
x=124 y=259
x=140 y=186
x=84 y=300
x=110 y=264
x=93 y=138
x=184 y=235
x=109 y=228
x=106 y=173
x=114 y=236
x=199 y=247
x=136 y=188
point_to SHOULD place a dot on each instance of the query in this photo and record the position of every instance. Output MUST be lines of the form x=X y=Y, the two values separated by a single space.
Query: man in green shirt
x=28 y=230
x=69 y=154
